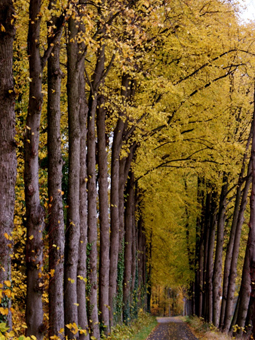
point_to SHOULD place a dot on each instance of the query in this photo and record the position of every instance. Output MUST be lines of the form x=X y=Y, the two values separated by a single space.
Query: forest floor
x=171 y=328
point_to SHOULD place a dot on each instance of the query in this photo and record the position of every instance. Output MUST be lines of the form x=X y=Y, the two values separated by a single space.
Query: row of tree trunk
x=213 y=293
x=117 y=240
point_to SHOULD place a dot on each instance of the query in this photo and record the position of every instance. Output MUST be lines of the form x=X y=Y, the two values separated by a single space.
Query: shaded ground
x=171 y=329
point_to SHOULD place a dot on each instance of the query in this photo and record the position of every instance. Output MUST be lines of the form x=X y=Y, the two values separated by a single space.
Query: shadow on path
x=171 y=328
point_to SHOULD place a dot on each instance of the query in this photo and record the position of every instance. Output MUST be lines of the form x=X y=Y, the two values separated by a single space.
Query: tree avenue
x=128 y=183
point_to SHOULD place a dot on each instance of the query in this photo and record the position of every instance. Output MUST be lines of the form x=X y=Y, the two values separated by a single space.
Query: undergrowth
x=204 y=330
x=138 y=329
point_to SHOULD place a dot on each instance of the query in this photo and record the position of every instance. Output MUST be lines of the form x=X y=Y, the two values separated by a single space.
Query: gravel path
x=171 y=329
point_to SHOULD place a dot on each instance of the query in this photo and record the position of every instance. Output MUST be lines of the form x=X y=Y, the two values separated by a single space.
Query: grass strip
x=138 y=329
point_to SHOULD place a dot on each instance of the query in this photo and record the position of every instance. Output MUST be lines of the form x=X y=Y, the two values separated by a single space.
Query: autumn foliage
x=127 y=162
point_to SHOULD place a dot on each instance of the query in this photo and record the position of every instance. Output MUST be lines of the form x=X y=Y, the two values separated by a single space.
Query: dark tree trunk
x=206 y=250
x=73 y=213
x=213 y=222
x=8 y=160
x=231 y=242
x=92 y=194
x=82 y=261
x=103 y=218
x=251 y=239
x=233 y=268
x=141 y=259
x=128 y=250
x=56 y=216
x=148 y=281
x=34 y=210
x=244 y=294
x=92 y=221
x=114 y=199
x=199 y=252
x=217 y=275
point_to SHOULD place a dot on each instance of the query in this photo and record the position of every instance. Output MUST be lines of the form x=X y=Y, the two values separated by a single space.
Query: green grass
x=145 y=331
x=138 y=329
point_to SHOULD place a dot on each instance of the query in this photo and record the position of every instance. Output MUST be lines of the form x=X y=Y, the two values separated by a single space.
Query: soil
x=171 y=328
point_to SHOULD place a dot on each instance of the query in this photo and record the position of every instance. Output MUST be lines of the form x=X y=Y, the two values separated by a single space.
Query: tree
x=8 y=160
x=55 y=163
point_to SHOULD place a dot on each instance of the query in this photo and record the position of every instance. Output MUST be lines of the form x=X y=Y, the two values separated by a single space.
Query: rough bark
x=73 y=213
x=217 y=277
x=82 y=260
x=56 y=215
x=103 y=218
x=34 y=210
x=92 y=222
x=92 y=194
x=8 y=160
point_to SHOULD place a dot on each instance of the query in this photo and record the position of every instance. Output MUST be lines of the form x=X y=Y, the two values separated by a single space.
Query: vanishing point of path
x=171 y=328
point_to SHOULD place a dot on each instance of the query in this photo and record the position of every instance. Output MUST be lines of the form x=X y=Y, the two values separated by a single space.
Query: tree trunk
x=206 y=250
x=92 y=194
x=232 y=237
x=82 y=261
x=115 y=215
x=128 y=251
x=34 y=210
x=56 y=216
x=251 y=239
x=213 y=222
x=244 y=294
x=92 y=221
x=8 y=160
x=217 y=276
x=73 y=213
x=103 y=218
x=233 y=269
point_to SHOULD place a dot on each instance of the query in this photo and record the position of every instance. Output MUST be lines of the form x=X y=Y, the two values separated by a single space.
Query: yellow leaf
x=31 y=237
x=4 y=311
x=7 y=283
x=6 y=236
x=2 y=28
x=8 y=293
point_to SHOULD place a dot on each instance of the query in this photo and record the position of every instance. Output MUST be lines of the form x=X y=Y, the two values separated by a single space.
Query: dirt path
x=171 y=328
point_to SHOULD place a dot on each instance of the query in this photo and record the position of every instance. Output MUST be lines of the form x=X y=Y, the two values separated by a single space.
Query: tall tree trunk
x=251 y=239
x=8 y=160
x=213 y=222
x=92 y=221
x=206 y=250
x=56 y=215
x=103 y=218
x=82 y=261
x=92 y=194
x=232 y=237
x=244 y=294
x=73 y=213
x=128 y=251
x=198 y=251
x=34 y=210
x=233 y=269
x=149 y=250
x=217 y=276
x=114 y=199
